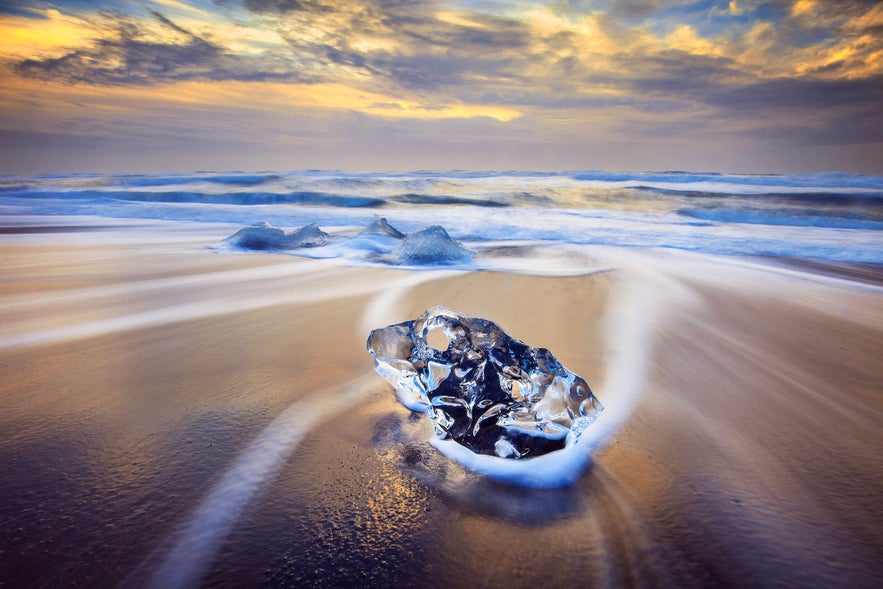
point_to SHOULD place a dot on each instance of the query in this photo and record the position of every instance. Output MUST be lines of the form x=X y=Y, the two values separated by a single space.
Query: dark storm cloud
x=838 y=128
x=634 y=8
x=496 y=53
x=129 y=59
x=17 y=8
x=845 y=111
x=838 y=110
x=838 y=8
x=285 y=6
x=431 y=53
x=783 y=94
x=717 y=82
x=33 y=9
x=438 y=72
x=442 y=54
x=674 y=73
x=491 y=33
x=159 y=16
x=126 y=61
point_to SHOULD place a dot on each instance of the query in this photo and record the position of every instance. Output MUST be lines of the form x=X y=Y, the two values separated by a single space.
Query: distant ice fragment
x=260 y=236
x=263 y=236
x=307 y=236
x=432 y=245
x=486 y=391
x=380 y=226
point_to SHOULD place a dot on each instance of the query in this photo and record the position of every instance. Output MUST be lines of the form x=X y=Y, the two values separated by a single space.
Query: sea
x=826 y=216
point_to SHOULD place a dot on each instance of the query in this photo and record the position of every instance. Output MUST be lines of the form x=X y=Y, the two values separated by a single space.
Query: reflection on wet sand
x=748 y=455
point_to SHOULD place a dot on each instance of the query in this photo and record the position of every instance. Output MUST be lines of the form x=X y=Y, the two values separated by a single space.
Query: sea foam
x=831 y=216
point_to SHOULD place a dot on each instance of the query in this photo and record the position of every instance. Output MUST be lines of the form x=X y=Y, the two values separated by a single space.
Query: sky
x=148 y=86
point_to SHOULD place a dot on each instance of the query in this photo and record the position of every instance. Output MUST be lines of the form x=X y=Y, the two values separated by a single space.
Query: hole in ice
x=437 y=340
x=518 y=390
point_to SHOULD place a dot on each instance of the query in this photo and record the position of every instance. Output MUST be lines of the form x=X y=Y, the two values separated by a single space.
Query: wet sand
x=177 y=417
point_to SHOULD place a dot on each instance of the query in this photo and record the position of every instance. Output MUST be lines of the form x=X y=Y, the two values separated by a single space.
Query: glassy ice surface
x=380 y=226
x=263 y=236
x=488 y=392
x=432 y=245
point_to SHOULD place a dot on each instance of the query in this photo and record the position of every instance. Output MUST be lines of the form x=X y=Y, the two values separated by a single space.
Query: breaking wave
x=830 y=216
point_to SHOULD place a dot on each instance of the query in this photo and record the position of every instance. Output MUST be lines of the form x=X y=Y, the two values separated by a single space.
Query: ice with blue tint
x=381 y=227
x=263 y=236
x=487 y=392
x=829 y=216
x=432 y=245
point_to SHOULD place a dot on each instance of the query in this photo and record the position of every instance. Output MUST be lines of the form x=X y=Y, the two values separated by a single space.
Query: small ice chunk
x=307 y=236
x=484 y=390
x=432 y=245
x=380 y=226
x=260 y=236
x=263 y=236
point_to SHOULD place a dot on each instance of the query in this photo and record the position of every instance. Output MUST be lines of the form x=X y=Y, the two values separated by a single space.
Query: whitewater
x=827 y=216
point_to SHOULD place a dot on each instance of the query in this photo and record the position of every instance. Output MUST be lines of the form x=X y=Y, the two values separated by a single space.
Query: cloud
x=807 y=94
x=721 y=83
x=415 y=45
x=131 y=57
x=634 y=8
x=285 y=6
x=675 y=73
x=630 y=69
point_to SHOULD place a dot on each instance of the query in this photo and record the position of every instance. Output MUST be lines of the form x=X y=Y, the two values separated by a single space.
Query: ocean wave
x=817 y=196
x=196 y=197
x=828 y=216
x=430 y=199
x=174 y=180
x=793 y=218
x=820 y=181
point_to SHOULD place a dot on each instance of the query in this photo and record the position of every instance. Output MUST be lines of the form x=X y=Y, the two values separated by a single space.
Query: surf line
x=200 y=540
x=221 y=303
x=649 y=301
x=644 y=303
x=386 y=308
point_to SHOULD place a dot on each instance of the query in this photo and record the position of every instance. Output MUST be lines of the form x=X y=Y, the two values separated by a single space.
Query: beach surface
x=173 y=416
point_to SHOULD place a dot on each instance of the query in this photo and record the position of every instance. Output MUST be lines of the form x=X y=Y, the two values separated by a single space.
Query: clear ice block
x=488 y=392
x=263 y=236
x=432 y=245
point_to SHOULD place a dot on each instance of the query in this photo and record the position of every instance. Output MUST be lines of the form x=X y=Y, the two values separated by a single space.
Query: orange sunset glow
x=170 y=85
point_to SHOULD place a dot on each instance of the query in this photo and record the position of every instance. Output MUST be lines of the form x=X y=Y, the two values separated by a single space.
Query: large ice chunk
x=432 y=245
x=263 y=236
x=488 y=392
